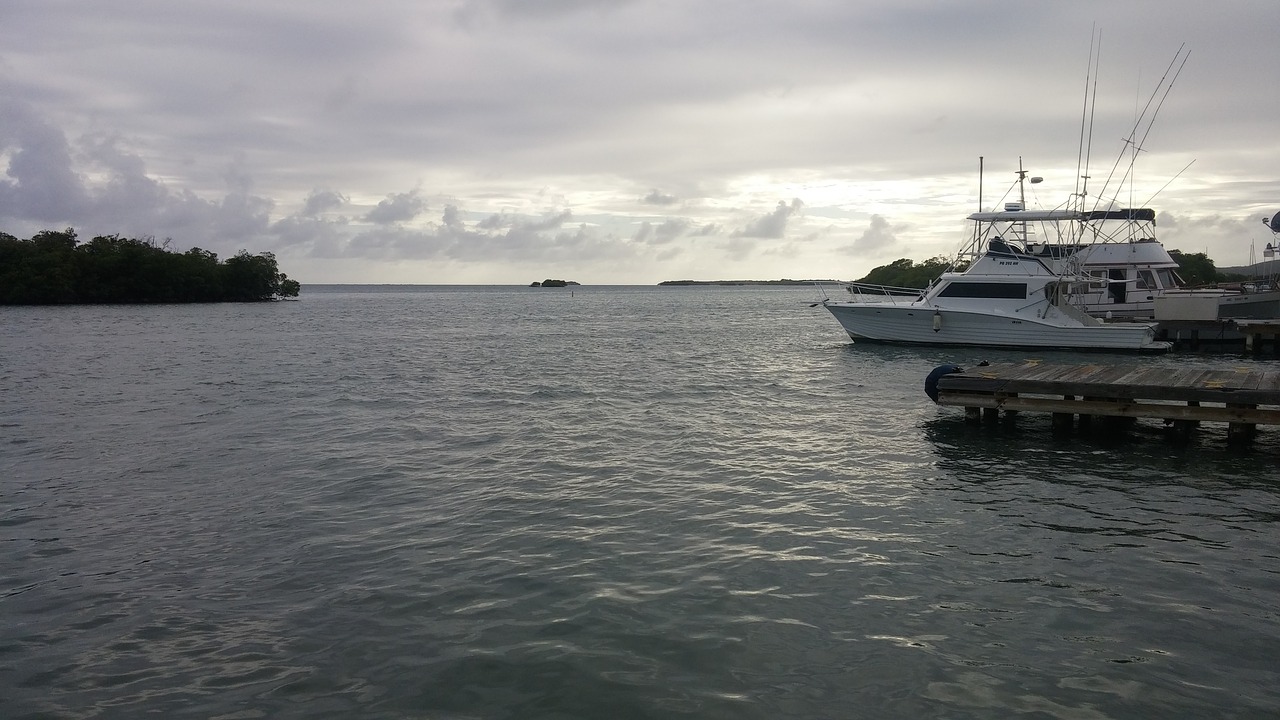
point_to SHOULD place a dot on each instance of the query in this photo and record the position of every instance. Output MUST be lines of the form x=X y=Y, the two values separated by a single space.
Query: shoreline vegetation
x=1196 y=270
x=54 y=268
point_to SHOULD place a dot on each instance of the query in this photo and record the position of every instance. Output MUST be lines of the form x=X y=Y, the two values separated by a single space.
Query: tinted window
x=985 y=290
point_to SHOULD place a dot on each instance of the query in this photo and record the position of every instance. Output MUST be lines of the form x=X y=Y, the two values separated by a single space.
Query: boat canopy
x=1140 y=214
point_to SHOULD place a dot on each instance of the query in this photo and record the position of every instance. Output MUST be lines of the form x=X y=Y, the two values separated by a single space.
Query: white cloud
x=773 y=225
x=878 y=237
x=656 y=197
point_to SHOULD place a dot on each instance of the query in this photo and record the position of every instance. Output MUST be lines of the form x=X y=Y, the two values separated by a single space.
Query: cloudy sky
x=621 y=141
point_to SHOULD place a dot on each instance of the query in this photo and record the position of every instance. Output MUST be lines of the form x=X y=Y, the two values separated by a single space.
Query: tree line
x=1195 y=269
x=54 y=267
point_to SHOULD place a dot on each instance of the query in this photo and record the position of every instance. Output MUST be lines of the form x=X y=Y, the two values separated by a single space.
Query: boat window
x=1146 y=280
x=985 y=290
x=1117 y=291
x=1168 y=279
x=1099 y=279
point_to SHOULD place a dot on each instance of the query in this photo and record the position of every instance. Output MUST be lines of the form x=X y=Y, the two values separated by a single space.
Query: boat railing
x=866 y=292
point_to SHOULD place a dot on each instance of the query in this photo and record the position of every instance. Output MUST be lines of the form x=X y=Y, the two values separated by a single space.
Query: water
x=620 y=502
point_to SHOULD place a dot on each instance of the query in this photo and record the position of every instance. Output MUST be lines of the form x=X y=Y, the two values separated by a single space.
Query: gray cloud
x=44 y=186
x=322 y=201
x=47 y=187
x=229 y=124
x=662 y=233
x=398 y=207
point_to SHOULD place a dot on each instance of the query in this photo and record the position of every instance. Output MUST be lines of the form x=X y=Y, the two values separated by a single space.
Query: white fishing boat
x=1131 y=273
x=1088 y=274
x=998 y=293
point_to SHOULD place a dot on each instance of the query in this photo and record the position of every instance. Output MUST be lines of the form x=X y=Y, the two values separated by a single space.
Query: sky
x=627 y=141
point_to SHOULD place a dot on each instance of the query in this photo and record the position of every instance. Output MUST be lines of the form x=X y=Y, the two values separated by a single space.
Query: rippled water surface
x=455 y=502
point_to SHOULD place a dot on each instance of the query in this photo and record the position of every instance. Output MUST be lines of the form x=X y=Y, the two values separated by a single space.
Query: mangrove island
x=53 y=268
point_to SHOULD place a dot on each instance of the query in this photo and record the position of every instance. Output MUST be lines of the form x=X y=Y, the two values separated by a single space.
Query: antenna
x=1167 y=184
x=979 y=183
x=1086 y=114
x=1132 y=142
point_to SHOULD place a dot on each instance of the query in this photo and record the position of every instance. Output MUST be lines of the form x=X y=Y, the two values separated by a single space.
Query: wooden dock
x=1228 y=335
x=1243 y=397
x=1256 y=333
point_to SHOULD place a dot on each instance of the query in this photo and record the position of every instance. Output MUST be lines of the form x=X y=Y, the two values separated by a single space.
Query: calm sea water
x=453 y=502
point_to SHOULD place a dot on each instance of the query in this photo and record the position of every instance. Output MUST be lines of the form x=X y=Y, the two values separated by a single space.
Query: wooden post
x=1086 y=421
x=1062 y=422
x=1180 y=430
x=1240 y=433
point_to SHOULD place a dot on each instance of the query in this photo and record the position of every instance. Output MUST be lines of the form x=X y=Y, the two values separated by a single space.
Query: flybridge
x=1019 y=215
x=1027 y=215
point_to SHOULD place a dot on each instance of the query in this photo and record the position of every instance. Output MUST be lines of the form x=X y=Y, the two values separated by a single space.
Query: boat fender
x=937 y=320
x=931 y=382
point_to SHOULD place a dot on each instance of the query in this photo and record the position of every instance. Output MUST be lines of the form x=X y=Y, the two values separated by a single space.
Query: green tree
x=13 y=255
x=52 y=268
x=906 y=273
x=248 y=277
x=289 y=288
x=200 y=270
x=1195 y=268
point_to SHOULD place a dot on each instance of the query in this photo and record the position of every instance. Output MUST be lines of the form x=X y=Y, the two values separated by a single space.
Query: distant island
x=553 y=283
x=54 y=268
x=747 y=282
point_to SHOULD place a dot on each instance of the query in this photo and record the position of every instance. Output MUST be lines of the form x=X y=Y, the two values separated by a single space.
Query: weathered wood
x=1113 y=408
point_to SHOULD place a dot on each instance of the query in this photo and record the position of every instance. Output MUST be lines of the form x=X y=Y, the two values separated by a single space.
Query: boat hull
x=924 y=325
x=1264 y=304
